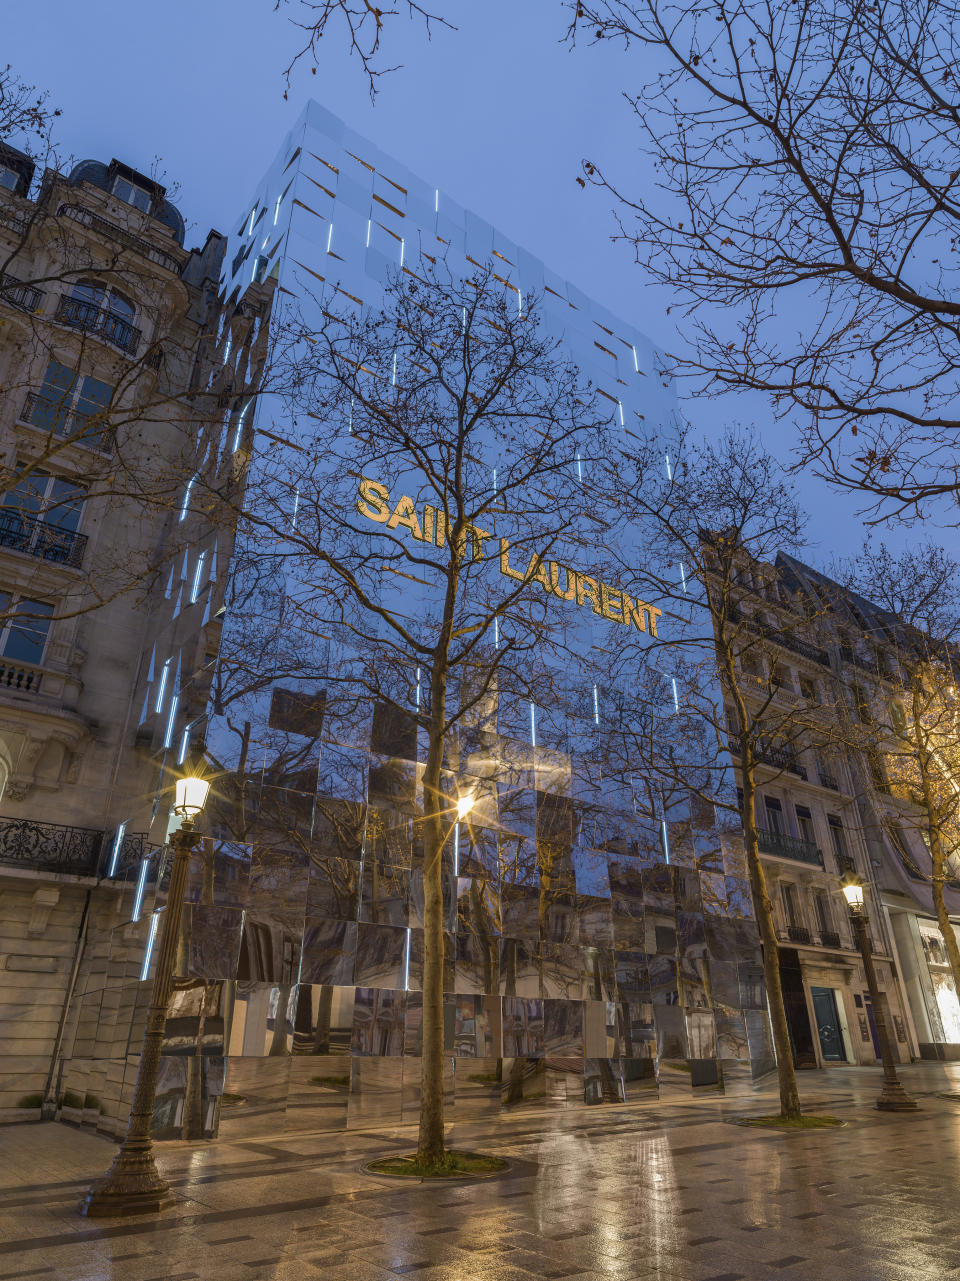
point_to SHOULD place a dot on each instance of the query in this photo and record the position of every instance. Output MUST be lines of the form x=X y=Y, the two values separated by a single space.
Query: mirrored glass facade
x=598 y=949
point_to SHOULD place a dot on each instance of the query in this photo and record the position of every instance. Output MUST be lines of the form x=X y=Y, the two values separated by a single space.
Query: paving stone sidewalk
x=667 y=1192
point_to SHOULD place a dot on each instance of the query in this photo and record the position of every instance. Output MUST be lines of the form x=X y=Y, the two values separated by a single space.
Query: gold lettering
x=640 y=614
x=505 y=567
x=405 y=514
x=428 y=516
x=541 y=575
x=441 y=538
x=587 y=586
x=373 y=500
x=611 y=603
x=570 y=591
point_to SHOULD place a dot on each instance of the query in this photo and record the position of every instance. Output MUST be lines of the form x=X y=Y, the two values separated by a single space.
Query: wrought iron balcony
x=797 y=646
x=783 y=846
x=798 y=934
x=784 y=760
x=56 y=416
x=828 y=781
x=23 y=532
x=50 y=847
x=20 y=295
x=121 y=236
x=13 y=221
x=93 y=318
x=828 y=938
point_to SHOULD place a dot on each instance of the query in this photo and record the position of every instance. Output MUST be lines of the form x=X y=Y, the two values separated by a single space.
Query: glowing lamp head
x=852 y=887
x=464 y=806
x=191 y=796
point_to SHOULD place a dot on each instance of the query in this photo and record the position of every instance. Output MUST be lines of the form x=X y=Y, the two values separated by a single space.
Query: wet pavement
x=666 y=1192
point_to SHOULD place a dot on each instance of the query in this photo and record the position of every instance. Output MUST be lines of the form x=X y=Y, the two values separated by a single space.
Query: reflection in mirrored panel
x=383 y=956
x=376 y=1092
x=319 y=1089
x=254 y=1099
x=519 y=967
x=333 y=890
x=329 y=952
x=213 y=936
x=378 y=1022
x=269 y=947
x=522 y=1027
x=603 y=1081
x=195 y=1018
x=259 y=1018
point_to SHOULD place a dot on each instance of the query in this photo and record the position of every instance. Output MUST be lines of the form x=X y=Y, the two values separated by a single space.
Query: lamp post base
x=894 y=1098
x=132 y=1186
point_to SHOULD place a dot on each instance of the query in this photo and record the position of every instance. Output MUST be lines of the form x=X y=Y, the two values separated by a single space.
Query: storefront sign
x=373 y=502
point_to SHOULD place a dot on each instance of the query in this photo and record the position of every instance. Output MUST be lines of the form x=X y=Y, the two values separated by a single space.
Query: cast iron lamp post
x=893 y=1097
x=133 y=1184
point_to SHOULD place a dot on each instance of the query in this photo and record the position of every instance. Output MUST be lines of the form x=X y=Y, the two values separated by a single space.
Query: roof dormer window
x=9 y=178
x=131 y=194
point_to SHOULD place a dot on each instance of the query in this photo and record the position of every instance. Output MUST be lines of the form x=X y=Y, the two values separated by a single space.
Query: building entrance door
x=828 y=1024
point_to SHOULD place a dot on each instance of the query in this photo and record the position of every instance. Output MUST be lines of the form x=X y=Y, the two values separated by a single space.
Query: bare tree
x=805 y=215
x=363 y=25
x=910 y=719
x=715 y=516
x=410 y=532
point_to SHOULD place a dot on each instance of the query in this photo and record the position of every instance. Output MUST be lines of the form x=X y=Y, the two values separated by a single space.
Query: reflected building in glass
x=623 y=963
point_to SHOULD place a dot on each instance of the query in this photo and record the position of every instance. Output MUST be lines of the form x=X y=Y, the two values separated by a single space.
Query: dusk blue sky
x=499 y=114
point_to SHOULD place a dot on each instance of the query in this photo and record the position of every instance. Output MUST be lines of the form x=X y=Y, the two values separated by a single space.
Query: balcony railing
x=828 y=781
x=92 y=318
x=13 y=221
x=783 y=846
x=829 y=938
x=50 y=847
x=121 y=236
x=55 y=415
x=23 y=532
x=801 y=647
x=20 y=295
x=781 y=759
x=798 y=934
x=20 y=677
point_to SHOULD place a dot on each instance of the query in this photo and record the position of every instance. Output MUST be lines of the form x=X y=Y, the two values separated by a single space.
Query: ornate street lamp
x=133 y=1184
x=893 y=1097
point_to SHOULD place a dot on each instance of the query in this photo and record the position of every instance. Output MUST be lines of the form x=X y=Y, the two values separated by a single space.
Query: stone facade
x=107 y=325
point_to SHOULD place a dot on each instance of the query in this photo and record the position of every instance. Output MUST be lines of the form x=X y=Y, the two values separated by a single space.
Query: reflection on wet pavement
x=663 y=1192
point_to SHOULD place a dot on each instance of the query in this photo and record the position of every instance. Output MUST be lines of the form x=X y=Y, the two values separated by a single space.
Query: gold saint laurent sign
x=373 y=501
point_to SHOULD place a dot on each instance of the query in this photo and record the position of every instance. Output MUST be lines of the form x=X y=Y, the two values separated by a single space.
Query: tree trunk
x=789 y=1094
x=941 y=870
x=431 y=1148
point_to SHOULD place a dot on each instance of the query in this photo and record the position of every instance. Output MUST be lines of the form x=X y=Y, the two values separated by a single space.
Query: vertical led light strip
x=456 y=849
x=141 y=886
x=369 y=229
x=683 y=576
x=676 y=696
x=117 y=845
x=533 y=725
x=184 y=746
x=596 y=706
x=496 y=631
x=171 y=720
x=418 y=689
x=162 y=688
x=669 y=467
x=151 y=939
x=579 y=467
x=666 y=842
x=406 y=962
x=329 y=237
x=195 y=589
